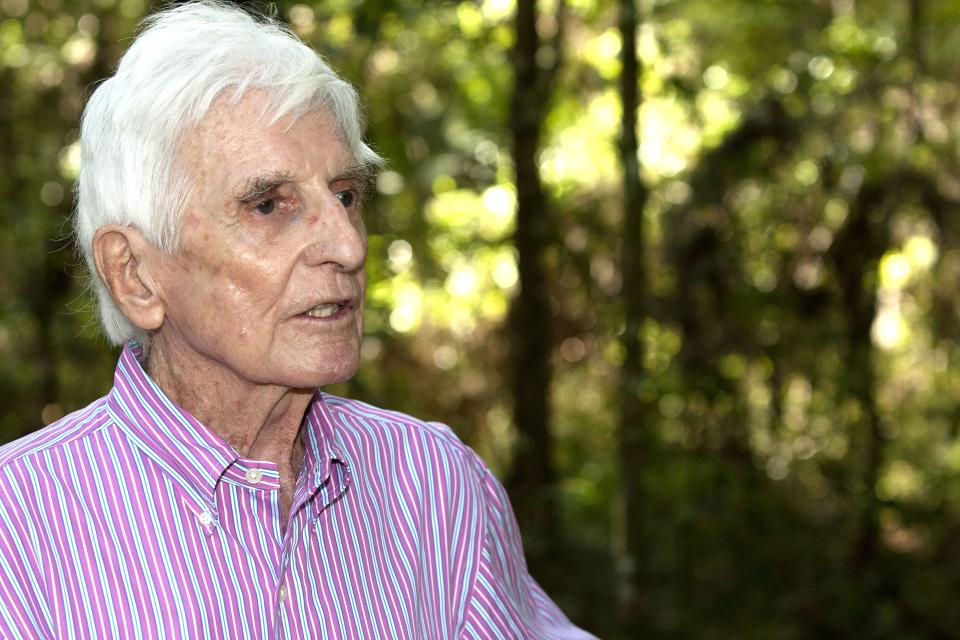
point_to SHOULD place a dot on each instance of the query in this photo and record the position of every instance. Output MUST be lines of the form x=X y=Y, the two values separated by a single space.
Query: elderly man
x=214 y=492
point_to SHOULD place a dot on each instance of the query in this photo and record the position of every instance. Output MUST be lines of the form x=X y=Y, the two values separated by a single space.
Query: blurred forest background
x=685 y=272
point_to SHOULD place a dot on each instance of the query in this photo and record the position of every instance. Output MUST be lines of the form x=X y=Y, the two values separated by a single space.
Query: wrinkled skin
x=272 y=229
x=246 y=272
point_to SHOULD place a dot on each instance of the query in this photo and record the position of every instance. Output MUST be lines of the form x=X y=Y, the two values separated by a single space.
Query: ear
x=122 y=256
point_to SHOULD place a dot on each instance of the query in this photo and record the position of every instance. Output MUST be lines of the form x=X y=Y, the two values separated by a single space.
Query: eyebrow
x=257 y=186
x=254 y=187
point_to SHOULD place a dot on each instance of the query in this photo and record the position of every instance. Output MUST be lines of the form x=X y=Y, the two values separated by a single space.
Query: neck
x=260 y=421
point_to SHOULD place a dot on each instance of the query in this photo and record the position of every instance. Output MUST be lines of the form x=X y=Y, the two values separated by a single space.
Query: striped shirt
x=130 y=519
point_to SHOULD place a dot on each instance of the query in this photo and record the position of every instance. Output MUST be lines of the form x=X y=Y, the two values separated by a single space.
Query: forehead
x=237 y=138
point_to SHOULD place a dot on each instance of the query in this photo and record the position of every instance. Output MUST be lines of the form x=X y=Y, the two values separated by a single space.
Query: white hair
x=184 y=58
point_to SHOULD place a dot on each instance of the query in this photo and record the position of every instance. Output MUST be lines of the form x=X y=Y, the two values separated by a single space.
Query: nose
x=337 y=236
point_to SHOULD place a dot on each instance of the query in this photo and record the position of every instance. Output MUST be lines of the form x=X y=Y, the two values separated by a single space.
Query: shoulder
x=56 y=437
x=35 y=468
x=393 y=444
x=355 y=419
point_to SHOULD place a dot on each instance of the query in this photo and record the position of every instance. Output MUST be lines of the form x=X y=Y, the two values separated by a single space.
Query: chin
x=336 y=379
x=326 y=375
x=312 y=366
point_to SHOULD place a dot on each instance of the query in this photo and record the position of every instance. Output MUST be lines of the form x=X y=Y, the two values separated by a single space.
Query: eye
x=268 y=206
x=347 y=198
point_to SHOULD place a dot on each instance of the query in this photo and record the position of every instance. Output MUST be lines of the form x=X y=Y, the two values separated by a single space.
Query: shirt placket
x=248 y=498
x=288 y=592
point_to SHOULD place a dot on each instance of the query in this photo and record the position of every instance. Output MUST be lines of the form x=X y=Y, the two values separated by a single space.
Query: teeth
x=323 y=310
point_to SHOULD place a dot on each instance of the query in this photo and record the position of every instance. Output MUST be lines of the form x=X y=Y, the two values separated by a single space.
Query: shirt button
x=254 y=476
x=283 y=593
x=205 y=518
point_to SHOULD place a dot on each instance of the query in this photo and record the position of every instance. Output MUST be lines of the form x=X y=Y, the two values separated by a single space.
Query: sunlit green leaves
x=803 y=170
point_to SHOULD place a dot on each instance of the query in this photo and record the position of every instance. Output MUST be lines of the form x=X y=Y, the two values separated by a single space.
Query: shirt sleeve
x=506 y=603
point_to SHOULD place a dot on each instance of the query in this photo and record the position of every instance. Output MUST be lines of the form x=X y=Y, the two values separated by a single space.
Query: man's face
x=268 y=282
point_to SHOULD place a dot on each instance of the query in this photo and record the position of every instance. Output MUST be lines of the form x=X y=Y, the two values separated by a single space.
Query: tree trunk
x=633 y=414
x=532 y=479
x=858 y=246
x=916 y=35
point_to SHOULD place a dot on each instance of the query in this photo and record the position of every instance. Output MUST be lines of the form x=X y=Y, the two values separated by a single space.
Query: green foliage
x=802 y=346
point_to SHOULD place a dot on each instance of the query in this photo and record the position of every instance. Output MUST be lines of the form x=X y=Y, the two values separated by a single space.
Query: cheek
x=218 y=302
x=248 y=282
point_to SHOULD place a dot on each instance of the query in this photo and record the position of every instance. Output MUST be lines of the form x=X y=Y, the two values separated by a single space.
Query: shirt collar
x=165 y=430
x=325 y=466
x=186 y=448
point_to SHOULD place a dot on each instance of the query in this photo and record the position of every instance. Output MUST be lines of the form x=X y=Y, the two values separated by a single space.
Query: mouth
x=327 y=310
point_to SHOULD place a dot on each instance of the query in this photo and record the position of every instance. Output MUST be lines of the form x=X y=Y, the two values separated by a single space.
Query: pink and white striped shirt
x=130 y=519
